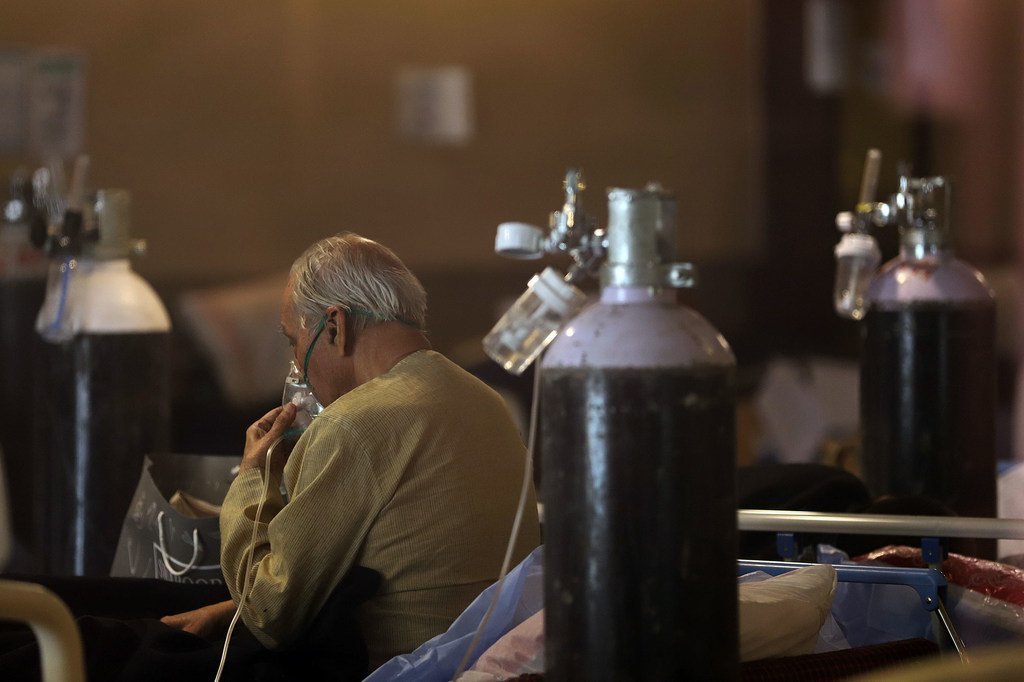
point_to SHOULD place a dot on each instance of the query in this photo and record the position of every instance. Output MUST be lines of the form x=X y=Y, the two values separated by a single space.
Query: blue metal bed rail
x=929 y=583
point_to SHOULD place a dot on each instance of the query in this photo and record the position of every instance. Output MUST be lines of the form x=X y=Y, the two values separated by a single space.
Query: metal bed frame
x=929 y=583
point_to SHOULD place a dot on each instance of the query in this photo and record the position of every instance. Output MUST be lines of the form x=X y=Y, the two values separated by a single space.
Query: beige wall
x=248 y=129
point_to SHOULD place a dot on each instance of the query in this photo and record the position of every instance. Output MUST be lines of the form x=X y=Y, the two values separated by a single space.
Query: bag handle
x=164 y=553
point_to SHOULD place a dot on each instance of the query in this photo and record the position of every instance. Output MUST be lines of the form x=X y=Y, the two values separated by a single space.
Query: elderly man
x=412 y=470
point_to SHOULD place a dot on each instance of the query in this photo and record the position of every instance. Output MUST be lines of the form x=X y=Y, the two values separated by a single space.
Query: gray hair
x=360 y=276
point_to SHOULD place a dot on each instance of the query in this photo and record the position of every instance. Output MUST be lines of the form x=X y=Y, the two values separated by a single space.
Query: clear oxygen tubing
x=54 y=328
x=523 y=494
x=248 y=569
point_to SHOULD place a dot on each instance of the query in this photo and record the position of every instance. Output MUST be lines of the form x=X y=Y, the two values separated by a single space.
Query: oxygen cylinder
x=103 y=401
x=928 y=371
x=638 y=443
x=22 y=282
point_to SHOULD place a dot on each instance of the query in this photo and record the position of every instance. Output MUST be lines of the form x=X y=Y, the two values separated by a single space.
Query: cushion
x=781 y=616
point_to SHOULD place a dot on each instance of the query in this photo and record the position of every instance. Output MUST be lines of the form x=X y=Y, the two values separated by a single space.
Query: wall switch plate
x=435 y=104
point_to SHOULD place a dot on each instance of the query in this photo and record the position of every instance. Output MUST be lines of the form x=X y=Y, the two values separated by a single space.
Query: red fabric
x=989 y=578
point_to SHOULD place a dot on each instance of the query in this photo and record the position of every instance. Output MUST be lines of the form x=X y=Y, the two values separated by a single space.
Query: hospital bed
x=924 y=598
x=929 y=583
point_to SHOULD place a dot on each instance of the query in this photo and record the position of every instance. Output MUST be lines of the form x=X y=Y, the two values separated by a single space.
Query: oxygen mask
x=299 y=393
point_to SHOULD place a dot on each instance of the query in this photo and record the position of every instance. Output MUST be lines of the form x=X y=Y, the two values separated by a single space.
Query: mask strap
x=362 y=312
x=309 y=351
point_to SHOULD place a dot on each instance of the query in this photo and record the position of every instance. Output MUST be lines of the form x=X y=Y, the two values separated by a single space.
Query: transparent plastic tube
x=524 y=491
x=55 y=322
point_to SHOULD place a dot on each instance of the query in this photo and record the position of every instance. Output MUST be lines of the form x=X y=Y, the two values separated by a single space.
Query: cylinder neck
x=922 y=209
x=113 y=214
x=922 y=244
x=641 y=237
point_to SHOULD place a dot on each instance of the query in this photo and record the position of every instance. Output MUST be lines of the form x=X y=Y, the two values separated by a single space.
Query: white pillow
x=781 y=616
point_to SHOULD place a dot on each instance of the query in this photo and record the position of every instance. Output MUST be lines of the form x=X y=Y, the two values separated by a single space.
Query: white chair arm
x=60 y=644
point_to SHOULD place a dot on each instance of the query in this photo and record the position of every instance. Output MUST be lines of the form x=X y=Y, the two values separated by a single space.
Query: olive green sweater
x=414 y=474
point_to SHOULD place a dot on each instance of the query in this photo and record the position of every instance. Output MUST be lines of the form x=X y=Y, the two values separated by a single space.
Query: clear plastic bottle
x=857 y=258
x=533 y=322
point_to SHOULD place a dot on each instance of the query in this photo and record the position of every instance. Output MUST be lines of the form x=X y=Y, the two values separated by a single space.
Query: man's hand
x=261 y=435
x=209 y=622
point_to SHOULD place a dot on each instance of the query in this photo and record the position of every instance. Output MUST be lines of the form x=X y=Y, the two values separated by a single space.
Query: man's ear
x=334 y=328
